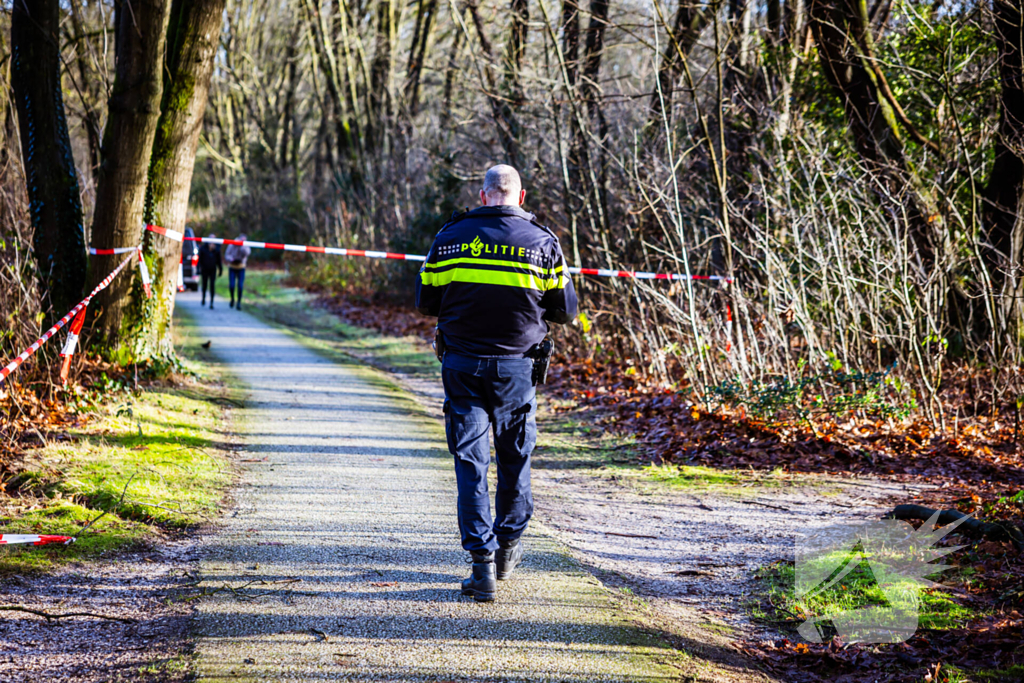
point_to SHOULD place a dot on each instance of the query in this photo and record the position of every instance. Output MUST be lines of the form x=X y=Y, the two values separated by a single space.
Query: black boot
x=232 y=304
x=481 y=585
x=238 y=304
x=508 y=557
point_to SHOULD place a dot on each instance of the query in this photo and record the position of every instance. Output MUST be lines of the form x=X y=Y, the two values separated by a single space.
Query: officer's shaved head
x=502 y=186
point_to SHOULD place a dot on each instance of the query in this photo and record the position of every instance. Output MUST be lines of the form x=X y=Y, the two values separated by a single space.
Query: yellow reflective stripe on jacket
x=486 y=277
x=560 y=278
x=543 y=272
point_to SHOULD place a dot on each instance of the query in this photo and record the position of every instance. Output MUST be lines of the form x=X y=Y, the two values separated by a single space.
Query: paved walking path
x=340 y=559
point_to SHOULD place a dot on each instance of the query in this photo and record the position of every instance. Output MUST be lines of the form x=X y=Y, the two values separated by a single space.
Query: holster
x=439 y=345
x=541 y=355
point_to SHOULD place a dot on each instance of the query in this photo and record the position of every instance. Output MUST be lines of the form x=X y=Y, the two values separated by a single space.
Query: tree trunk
x=417 y=53
x=193 y=35
x=515 y=48
x=845 y=47
x=690 y=21
x=1006 y=182
x=90 y=117
x=286 y=128
x=346 y=119
x=594 y=174
x=379 y=123
x=794 y=32
x=571 y=40
x=134 y=106
x=571 y=55
x=56 y=207
x=504 y=118
x=449 y=79
x=592 y=93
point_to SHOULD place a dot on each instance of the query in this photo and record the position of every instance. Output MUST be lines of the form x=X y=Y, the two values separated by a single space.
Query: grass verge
x=151 y=458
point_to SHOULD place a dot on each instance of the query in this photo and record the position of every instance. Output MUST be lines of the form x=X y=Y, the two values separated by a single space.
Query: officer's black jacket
x=492 y=278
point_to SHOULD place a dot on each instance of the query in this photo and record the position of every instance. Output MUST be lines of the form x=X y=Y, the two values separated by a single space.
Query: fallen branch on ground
x=106 y=512
x=615 y=533
x=767 y=505
x=992 y=531
x=50 y=616
x=196 y=396
x=593 y=448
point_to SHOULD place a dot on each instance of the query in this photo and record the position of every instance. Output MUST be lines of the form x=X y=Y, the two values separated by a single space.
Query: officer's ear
x=522 y=196
x=483 y=198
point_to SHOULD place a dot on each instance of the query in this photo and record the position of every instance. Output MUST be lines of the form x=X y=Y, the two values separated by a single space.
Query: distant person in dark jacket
x=237 y=255
x=210 y=268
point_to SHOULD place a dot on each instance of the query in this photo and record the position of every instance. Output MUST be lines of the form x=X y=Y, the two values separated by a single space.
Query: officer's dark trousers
x=482 y=394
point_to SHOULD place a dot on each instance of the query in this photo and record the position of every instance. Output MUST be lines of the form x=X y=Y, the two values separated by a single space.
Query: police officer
x=494 y=278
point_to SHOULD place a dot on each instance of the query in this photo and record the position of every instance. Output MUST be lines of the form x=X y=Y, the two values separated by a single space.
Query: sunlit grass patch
x=1010 y=673
x=858 y=589
x=65 y=518
x=684 y=476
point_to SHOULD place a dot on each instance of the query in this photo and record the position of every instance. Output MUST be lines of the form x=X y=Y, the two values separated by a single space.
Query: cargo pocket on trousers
x=447 y=409
x=517 y=436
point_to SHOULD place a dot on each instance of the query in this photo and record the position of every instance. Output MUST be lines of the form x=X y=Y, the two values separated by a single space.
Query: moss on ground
x=859 y=588
x=151 y=459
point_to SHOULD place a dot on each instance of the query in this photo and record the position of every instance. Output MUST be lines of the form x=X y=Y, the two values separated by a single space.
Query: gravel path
x=340 y=559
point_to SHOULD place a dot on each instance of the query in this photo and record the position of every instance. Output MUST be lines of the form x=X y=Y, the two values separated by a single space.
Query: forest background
x=854 y=168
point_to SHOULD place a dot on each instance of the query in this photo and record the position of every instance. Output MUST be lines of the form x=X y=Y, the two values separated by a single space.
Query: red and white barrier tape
x=640 y=275
x=13 y=365
x=110 y=252
x=69 y=346
x=144 y=273
x=338 y=251
x=35 y=539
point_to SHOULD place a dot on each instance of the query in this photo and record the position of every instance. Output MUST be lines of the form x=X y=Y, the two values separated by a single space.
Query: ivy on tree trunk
x=54 y=200
x=134 y=108
x=193 y=34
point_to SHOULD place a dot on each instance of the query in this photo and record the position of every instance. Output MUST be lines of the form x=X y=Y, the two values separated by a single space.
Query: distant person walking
x=210 y=268
x=237 y=255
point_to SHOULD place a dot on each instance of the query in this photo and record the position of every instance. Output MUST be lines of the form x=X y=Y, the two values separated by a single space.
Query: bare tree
x=134 y=109
x=1006 y=179
x=690 y=20
x=842 y=31
x=193 y=34
x=56 y=208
